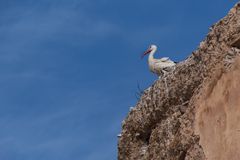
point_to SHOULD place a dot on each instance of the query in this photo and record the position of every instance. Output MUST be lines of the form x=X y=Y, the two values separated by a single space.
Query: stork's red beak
x=146 y=52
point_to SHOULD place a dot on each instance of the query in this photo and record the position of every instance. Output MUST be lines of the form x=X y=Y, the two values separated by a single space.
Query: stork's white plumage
x=158 y=66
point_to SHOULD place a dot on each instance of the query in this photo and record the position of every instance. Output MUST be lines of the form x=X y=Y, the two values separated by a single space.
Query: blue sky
x=70 y=69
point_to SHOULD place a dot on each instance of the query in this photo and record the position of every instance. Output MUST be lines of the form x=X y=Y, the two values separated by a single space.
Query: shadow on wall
x=236 y=44
x=218 y=116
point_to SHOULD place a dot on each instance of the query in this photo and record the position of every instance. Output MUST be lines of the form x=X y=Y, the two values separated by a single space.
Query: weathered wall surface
x=192 y=112
x=218 y=117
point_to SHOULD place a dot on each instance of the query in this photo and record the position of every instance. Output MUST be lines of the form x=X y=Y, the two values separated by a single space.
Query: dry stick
x=139 y=93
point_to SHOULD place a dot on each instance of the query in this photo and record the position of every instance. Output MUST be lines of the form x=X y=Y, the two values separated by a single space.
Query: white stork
x=158 y=66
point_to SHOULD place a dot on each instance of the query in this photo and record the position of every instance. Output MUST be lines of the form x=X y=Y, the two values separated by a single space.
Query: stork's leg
x=166 y=85
x=164 y=73
x=174 y=67
x=161 y=74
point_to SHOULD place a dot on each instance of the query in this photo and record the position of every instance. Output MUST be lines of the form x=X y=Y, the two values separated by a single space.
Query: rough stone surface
x=193 y=112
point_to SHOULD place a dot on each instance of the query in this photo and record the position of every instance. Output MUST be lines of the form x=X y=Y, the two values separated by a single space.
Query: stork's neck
x=150 y=57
